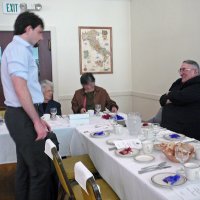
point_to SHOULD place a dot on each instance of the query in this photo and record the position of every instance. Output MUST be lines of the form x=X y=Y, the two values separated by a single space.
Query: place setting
x=190 y=170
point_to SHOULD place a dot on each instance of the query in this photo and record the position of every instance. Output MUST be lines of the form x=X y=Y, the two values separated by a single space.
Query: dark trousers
x=33 y=165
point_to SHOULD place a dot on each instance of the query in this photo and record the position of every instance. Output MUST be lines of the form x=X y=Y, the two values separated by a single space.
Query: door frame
x=53 y=55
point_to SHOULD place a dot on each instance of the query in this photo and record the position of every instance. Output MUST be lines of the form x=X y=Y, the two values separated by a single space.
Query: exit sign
x=11 y=7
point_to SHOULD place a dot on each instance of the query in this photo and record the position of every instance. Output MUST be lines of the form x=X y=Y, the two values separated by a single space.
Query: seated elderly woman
x=181 y=105
x=87 y=97
x=44 y=108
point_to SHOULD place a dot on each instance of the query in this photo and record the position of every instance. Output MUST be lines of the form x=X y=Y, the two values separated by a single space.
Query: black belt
x=36 y=105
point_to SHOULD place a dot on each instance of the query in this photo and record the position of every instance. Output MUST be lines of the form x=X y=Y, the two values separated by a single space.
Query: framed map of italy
x=95 y=50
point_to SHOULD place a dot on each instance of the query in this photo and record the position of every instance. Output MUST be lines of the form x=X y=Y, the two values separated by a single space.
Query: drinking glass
x=53 y=112
x=182 y=156
x=133 y=124
x=97 y=109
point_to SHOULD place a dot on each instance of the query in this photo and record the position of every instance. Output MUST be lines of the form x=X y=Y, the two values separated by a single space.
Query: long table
x=122 y=173
x=61 y=127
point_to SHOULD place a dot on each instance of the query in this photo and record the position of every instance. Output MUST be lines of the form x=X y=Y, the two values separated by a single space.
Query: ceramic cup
x=147 y=146
x=118 y=129
x=192 y=171
x=91 y=113
x=197 y=152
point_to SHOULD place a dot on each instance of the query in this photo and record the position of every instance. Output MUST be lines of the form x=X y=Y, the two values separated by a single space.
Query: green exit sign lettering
x=11 y=7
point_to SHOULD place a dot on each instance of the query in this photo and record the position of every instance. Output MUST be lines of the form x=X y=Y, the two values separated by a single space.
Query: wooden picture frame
x=95 y=50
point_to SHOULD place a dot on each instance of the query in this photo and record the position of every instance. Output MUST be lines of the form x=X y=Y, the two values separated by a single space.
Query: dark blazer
x=50 y=104
x=182 y=115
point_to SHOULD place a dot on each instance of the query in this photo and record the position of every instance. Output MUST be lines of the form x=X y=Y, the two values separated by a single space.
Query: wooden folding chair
x=98 y=190
x=72 y=191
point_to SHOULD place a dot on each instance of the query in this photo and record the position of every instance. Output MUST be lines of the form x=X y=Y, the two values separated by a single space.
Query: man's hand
x=114 y=109
x=41 y=128
x=83 y=110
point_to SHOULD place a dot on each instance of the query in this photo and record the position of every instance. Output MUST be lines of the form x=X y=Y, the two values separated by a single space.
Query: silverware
x=153 y=169
x=154 y=166
x=112 y=148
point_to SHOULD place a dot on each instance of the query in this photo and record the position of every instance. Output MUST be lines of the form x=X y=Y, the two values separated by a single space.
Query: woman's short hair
x=87 y=78
x=26 y=19
x=45 y=83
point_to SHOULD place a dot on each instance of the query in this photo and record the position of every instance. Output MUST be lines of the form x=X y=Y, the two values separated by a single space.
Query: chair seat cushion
x=107 y=192
x=69 y=163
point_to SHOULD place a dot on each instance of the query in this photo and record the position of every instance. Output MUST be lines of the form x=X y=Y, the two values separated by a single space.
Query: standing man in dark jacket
x=181 y=105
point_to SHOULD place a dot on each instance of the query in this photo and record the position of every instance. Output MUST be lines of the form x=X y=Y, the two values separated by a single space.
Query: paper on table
x=78 y=116
x=133 y=143
x=48 y=146
x=188 y=192
x=82 y=174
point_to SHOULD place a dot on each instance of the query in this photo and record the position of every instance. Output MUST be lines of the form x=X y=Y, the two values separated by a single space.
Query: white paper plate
x=144 y=158
x=157 y=179
x=111 y=141
x=131 y=154
x=95 y=135
x=168 y=136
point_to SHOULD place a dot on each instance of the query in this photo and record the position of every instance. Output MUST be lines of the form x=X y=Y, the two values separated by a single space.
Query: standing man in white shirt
x=22 y=91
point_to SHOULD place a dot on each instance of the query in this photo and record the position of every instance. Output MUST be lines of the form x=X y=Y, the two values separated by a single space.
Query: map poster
x=95 y=46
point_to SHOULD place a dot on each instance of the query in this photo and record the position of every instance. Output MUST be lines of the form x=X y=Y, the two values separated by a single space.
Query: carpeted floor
x=7 y=183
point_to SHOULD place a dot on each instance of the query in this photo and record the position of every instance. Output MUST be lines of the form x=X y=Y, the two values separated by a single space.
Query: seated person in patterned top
x=181 y=105
x=47 y=89
x=87 y=97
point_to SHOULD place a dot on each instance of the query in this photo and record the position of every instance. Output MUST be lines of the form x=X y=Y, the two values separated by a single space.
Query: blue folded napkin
x=171 y=179
x=118 y=117
x=174 y=136
x=99 y=133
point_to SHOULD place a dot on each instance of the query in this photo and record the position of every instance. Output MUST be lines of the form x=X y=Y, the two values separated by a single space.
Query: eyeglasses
x=184 y=70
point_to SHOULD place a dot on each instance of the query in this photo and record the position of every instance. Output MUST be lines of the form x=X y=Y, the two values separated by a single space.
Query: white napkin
x=82 y=174
x=94 y=128
x=78 y=116
x=133 y=143
x=48 y=146
x=46 y=117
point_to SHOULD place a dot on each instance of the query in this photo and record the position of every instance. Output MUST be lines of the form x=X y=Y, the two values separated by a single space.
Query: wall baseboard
x=119 y=94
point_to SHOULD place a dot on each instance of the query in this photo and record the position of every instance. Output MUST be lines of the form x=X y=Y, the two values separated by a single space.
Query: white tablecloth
x=122 y=173
x=61 y=128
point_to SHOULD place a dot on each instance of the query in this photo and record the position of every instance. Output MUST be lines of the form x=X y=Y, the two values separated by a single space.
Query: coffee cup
x=91 y=113
x=192 y=171
x=147 y=146
x=197 y=152
x=117 y=129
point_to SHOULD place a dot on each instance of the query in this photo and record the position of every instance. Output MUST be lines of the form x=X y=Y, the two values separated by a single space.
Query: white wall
x=164 y=33
x=63 y=18
x=150 y=40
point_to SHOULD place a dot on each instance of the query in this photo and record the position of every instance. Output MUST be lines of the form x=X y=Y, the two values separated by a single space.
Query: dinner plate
x=174 y=136
x=100 y=134
x=144 y=158
x=157 y=179
x=131 y=154
x=111 y=141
